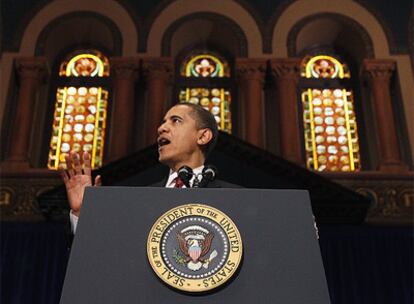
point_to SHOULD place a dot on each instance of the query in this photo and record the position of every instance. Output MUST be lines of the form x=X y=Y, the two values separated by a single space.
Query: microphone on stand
x=185 y=173
x=209 y=174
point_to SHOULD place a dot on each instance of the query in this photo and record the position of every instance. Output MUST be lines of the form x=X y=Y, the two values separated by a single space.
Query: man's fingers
x=63 y=173
x=76 y=163
x=68 y=161
x=69 y=165
x=98 y=181
x=87 y=163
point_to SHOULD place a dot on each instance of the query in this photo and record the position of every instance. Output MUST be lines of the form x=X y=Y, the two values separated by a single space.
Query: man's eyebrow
x=170 y=118
x=176 y=116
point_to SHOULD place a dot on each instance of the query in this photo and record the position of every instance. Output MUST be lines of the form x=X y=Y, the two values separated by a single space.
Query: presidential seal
x=194 y=248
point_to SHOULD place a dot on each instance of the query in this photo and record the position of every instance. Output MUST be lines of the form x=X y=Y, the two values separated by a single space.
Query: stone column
x=251 y=75
x=124 y=73
x=379 y=74
x=158 y=74
x=32 y=73
x=286 y=75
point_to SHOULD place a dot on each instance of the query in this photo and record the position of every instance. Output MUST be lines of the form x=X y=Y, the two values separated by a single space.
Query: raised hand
x=76 y=179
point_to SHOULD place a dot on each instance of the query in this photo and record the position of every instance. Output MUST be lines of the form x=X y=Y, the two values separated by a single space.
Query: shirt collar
x=173 y=175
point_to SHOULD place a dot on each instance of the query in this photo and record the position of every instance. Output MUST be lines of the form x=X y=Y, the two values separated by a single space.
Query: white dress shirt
x=173 y=175
x=73 y=221
x=170 y=184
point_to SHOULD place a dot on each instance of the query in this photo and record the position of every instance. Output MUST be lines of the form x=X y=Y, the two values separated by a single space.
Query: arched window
x=331 y=137
x=205 y=80
x=80 y=108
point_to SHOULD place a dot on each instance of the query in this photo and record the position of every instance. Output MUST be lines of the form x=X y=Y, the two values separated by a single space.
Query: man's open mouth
x=162 y=142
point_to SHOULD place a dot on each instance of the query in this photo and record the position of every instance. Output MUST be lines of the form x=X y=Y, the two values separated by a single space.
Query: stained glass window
x=79 y=119
x=206 y=82
x=330 y=126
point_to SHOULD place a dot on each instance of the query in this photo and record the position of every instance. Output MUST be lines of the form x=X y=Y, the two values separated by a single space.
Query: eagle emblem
x=194 y=243
x=194 y=247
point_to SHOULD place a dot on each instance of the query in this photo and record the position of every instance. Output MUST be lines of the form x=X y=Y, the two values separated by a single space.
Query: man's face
x=178 y=138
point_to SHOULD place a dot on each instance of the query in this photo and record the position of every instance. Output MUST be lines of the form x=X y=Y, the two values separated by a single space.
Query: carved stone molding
x=287 y=68
x=18 y=197
x=35 y=68
x=157 y=68
x=125 y=68
x=251 y=69
x=379 y=69
x=392 y=200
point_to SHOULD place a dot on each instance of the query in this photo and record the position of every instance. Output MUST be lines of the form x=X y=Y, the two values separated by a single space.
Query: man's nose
x=162 y=128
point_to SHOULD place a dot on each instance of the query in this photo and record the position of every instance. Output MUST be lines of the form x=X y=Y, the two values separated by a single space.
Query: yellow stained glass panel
x=323 y=66
x=205 y=65
x=330 y=127
x=79 y=124
x=331 y=137
x=79 y=119
x=217 y=101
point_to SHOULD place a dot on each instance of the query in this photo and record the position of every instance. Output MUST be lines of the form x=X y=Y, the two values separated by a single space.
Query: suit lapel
x=213 y=184
x=160 y=183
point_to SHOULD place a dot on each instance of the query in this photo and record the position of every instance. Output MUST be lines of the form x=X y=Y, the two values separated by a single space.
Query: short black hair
x=204 y=120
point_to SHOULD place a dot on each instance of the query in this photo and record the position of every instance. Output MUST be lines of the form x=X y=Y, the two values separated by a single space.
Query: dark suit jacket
x=161 y=183
x=214 y=184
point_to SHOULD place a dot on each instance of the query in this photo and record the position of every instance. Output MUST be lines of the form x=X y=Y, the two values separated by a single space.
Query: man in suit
x=186 y=136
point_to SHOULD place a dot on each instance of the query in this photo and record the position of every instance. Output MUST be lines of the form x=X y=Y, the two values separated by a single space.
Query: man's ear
x=204 y=136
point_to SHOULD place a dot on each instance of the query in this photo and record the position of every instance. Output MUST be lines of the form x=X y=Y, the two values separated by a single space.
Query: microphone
x=209 y=174
x=185 y=173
